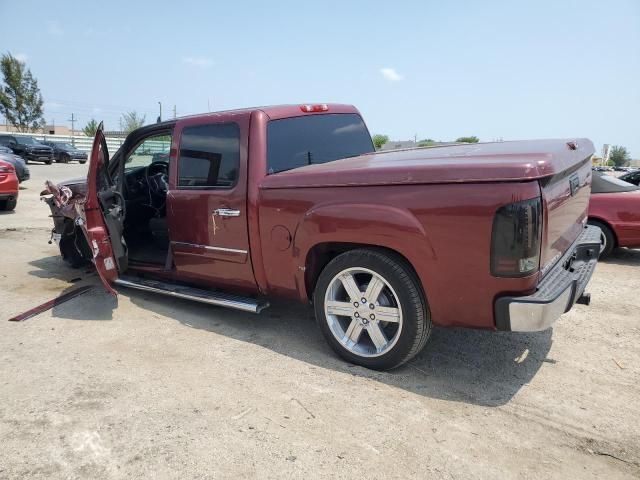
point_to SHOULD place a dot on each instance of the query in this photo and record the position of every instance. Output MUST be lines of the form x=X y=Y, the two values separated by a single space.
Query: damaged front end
x=63 y=200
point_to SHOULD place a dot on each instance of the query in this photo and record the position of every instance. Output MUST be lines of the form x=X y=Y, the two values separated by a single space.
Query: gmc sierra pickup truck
x=293 y=201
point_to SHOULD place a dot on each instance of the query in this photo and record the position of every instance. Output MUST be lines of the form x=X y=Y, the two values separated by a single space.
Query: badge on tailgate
x=574 y=183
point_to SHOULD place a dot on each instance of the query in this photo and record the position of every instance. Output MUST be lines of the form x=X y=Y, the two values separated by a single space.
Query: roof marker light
x=319 y=107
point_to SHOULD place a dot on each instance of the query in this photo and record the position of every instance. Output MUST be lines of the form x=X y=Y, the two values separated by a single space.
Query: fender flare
x=376 y=225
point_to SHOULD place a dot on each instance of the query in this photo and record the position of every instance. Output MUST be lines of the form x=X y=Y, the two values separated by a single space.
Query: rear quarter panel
x=444 y=231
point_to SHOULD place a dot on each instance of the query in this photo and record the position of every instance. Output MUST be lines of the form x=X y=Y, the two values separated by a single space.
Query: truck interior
x=144 y=188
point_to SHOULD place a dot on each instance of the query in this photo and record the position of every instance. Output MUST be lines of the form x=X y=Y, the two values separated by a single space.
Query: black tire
x=10 y=204
x=70 y=253
x=608 y=237
x=82 y=162
x=48 y=162
x=416 y=323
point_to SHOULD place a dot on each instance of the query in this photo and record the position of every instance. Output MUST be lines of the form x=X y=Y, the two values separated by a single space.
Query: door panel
x=91 y=217
x=207 y=203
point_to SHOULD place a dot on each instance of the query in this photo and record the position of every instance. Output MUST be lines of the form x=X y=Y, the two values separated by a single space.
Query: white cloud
x=54 y=28
x=200 y=62
x=21 y=57
x=391 y=74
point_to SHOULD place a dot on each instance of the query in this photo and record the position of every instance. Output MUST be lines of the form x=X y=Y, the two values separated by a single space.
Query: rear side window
x=298 y=141
x=209 y=156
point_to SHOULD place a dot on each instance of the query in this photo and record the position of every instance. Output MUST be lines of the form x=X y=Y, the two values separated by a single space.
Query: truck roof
x=480 y=162
x=276 y=112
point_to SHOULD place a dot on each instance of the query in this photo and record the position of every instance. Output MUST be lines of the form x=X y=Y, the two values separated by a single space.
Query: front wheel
x=47 y=162
x=371 y=309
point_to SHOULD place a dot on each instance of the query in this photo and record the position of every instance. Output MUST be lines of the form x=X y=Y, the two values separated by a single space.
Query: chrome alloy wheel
x=363 y=312
x=603 y=241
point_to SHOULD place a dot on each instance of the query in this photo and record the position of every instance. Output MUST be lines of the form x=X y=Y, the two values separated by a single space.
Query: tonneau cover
x=480 y=162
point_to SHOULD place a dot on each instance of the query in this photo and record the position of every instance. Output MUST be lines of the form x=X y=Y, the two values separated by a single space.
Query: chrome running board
x=246 y=304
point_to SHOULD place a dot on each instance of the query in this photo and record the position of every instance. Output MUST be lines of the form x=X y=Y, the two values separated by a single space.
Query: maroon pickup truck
x=293 y=201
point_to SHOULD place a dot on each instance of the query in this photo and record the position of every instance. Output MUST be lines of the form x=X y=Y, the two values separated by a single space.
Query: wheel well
x=606 y=224
x=321 y=254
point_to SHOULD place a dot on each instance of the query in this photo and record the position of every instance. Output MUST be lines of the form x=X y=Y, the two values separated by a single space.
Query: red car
x=8 y=186
x=615 y=208
x=294 y=202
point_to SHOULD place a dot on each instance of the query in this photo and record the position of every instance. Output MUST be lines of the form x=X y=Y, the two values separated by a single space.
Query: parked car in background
x=160 y=157
x=632 y=177
x=8 y=186
x=614 y=207
x=22 y=171
x=294 y=202
x=65 y=152
x=30 y=149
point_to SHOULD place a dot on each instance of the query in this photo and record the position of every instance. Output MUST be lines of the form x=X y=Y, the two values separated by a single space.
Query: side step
x=245 y=304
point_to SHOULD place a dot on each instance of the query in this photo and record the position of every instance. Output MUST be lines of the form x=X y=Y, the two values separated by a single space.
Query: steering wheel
x=157 y=176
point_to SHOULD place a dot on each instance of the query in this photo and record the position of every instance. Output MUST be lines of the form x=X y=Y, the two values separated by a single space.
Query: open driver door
x=101 y=216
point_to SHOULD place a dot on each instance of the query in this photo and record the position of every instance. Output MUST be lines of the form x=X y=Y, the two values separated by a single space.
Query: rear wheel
x=371 y=310
x=48 y=162
x=607 y=238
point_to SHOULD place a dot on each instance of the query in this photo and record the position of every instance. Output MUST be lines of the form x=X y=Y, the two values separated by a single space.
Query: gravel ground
x=153 y=387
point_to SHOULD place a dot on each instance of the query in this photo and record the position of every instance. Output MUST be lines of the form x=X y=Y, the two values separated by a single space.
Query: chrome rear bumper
x=559 y=290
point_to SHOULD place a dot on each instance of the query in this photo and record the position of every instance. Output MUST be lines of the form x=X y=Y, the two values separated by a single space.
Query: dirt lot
x=161 y=388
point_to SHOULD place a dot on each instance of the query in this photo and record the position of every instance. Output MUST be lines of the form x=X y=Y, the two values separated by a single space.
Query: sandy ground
x=159 y=388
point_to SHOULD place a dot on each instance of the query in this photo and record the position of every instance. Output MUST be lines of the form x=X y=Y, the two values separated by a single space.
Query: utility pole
x=73 y=123
x=174 y=112
x=160 y=116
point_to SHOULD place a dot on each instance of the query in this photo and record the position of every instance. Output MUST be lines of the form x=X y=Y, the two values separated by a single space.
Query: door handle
x=226 y=212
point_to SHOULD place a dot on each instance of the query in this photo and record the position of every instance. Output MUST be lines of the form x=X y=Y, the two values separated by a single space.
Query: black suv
x=28 y=148
x=64 y=152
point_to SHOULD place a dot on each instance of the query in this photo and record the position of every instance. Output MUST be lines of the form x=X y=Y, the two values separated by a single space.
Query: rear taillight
x=515 y=240
x=6 y=169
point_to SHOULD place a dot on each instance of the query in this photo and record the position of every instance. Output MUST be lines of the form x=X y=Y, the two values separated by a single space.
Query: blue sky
x=495 y=69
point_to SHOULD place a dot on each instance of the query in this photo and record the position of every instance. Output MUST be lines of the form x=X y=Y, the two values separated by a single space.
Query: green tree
x=379 y=140
x=90 y=128
x=426 y=142
x=472 y=139
x=619 y=156
x=131 y=121
x=20 y=99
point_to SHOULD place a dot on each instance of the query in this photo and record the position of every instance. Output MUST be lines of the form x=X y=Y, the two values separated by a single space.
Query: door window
x=209 y=156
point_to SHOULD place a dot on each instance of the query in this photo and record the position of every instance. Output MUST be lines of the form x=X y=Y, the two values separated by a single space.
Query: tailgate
x=565 y=197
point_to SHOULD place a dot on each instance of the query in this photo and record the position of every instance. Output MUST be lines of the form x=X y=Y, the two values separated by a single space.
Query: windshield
x=27 y=141
x=151 y=150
